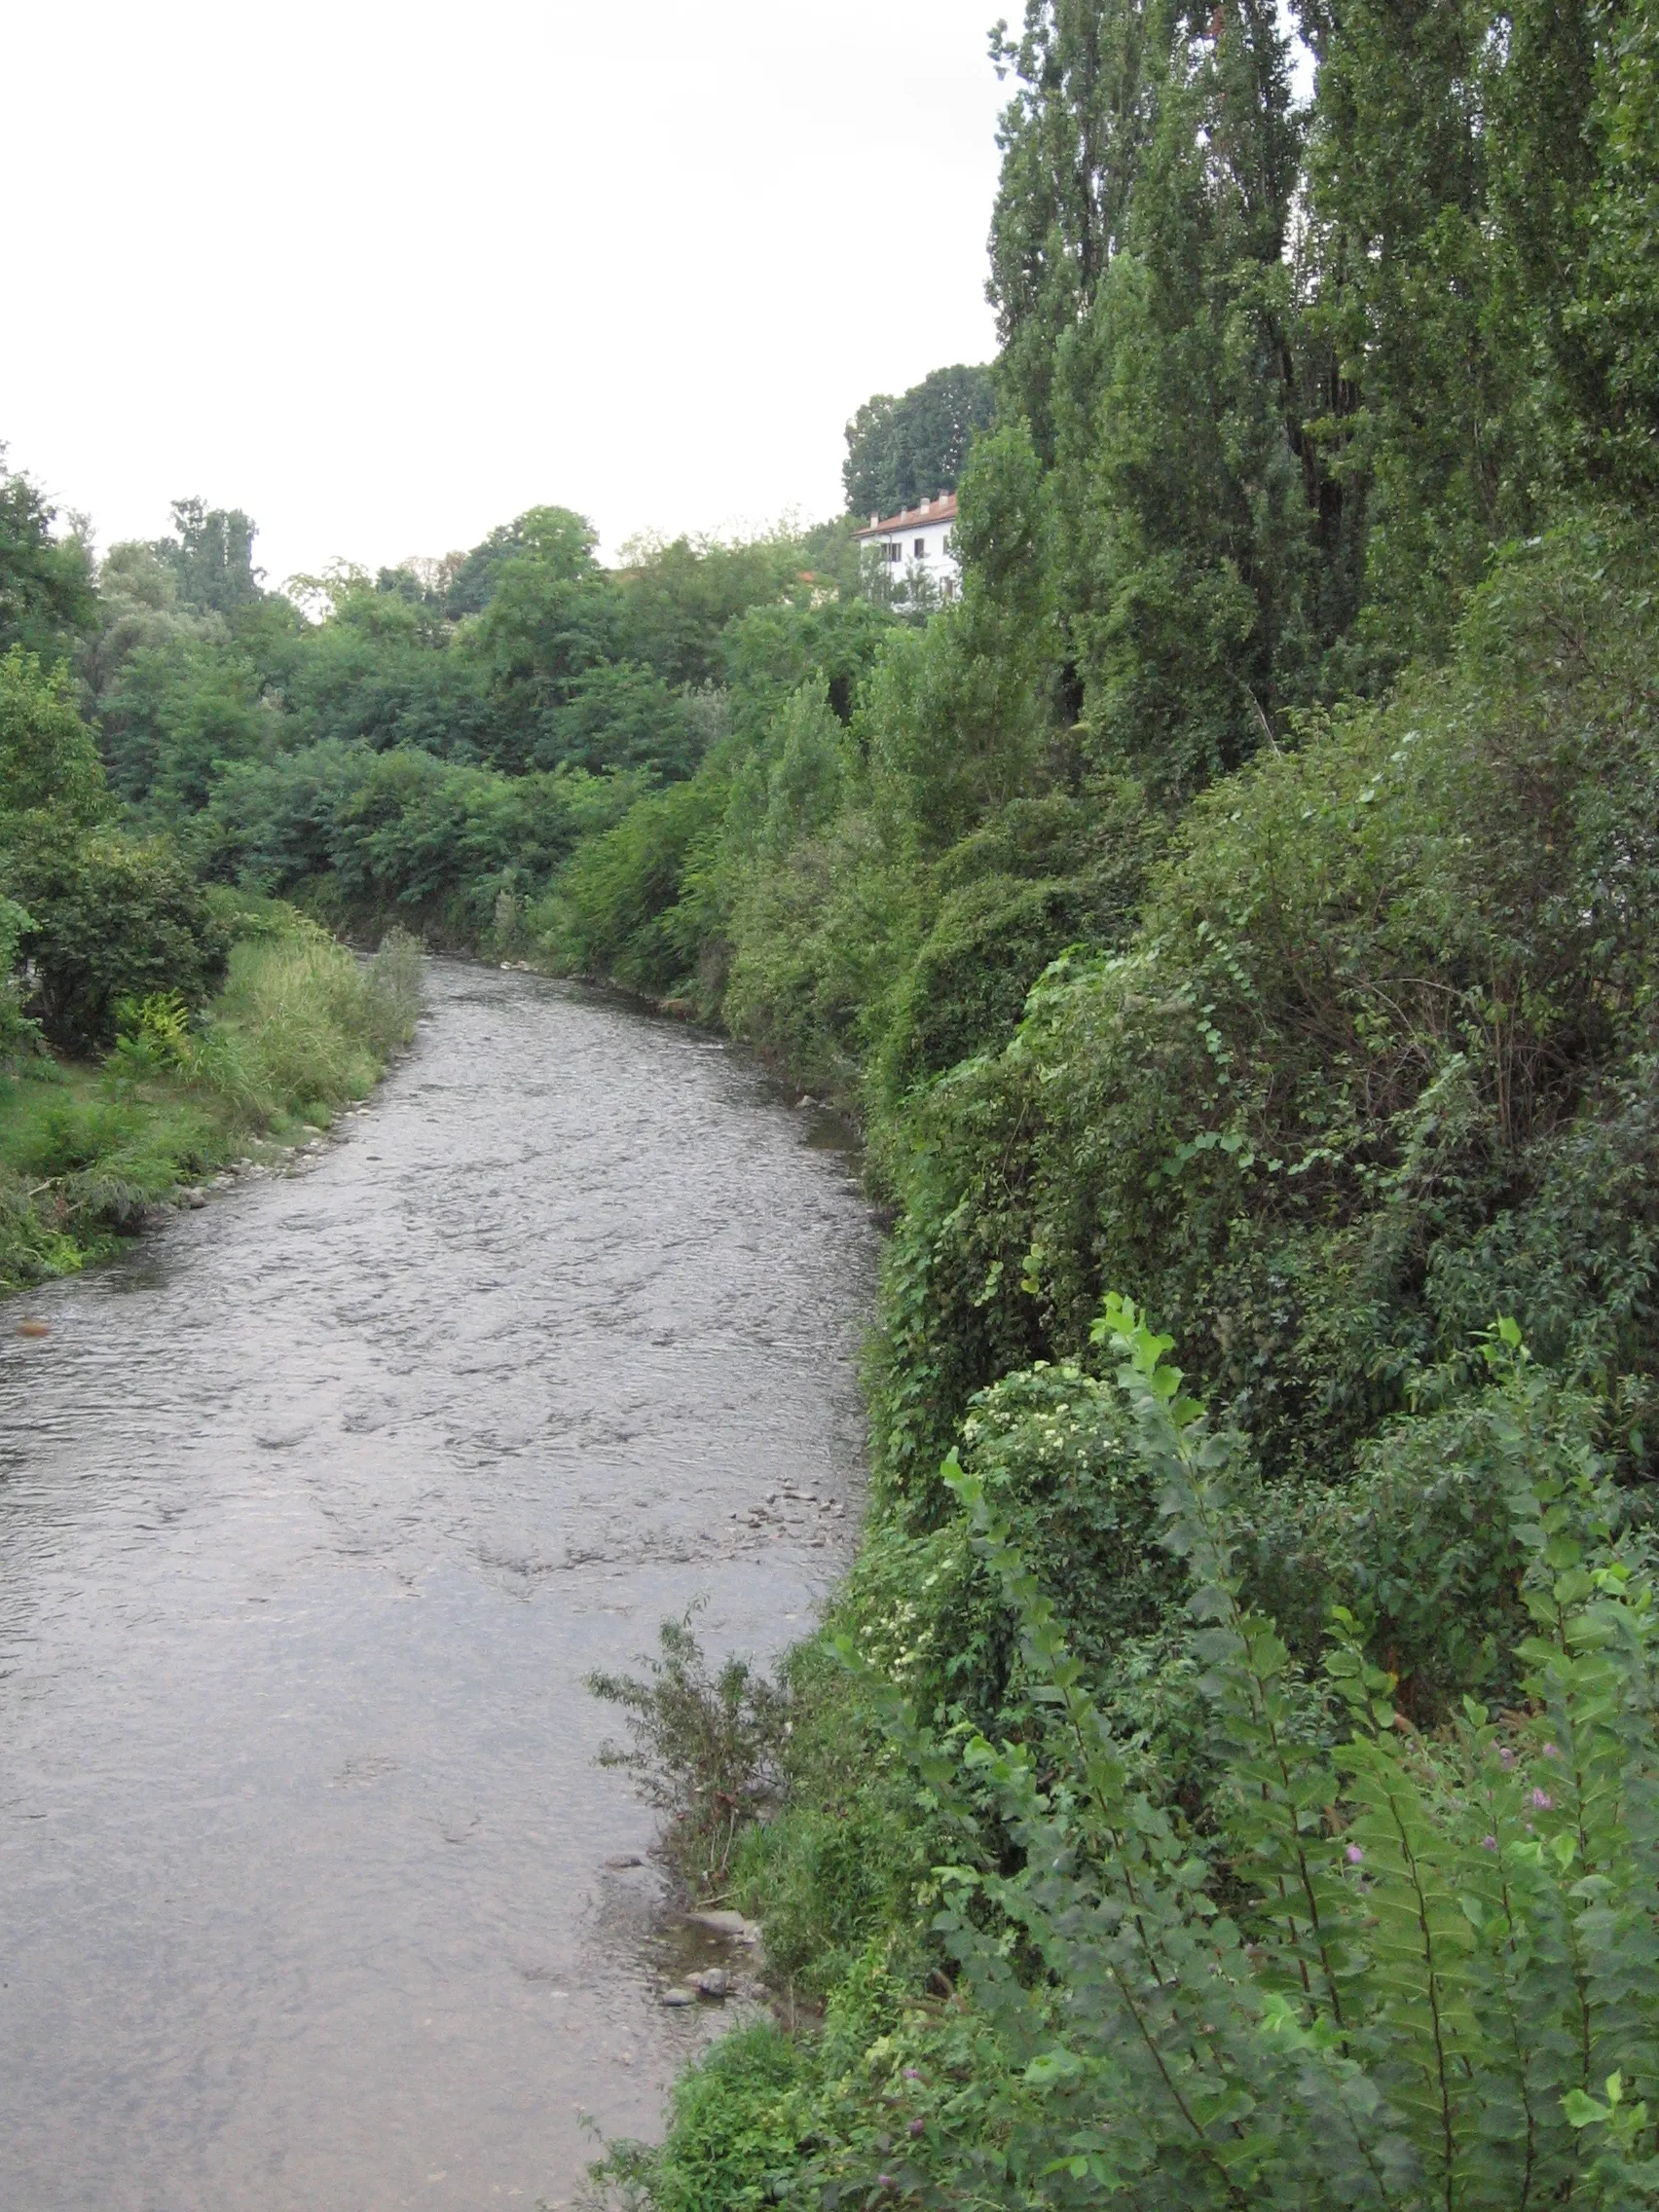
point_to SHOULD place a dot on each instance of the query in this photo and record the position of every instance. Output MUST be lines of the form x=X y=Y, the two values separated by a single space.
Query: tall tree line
x=1284 y=372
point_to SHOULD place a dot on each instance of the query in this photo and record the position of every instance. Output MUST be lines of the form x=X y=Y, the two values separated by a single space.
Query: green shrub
x=732 y=2134
x=49 y=759
x=111 y=919
x=1404 y=1968
x=706 y=1746
x=1374 y=1065
x=18 y=1035
x=300 y=1025
x=1042 y=876
x=839 y=1863
x=614 y=907
x=1370 y=1963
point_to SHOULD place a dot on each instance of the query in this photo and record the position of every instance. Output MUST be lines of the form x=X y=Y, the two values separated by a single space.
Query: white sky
x=386 y=275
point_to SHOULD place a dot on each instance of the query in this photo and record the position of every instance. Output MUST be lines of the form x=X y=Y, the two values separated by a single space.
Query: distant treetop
x=211 y=555
x=46 y=581
x=901 y=451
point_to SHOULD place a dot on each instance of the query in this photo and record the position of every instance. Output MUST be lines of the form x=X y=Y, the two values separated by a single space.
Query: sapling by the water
x=706 y=1746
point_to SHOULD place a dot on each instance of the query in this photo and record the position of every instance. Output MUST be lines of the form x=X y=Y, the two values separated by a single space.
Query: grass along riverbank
x=300 y=1028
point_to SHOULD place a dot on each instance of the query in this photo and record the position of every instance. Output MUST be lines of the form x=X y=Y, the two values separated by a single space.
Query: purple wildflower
x=1354 y=1855
x=1489 y=1843
x=1543 y=1800
x=912 y=2072
x=918 y=2127
x=1505 y=1754
x=885 y=2181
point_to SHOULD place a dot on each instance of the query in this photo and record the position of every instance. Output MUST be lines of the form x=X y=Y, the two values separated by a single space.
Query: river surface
x=313 y=1512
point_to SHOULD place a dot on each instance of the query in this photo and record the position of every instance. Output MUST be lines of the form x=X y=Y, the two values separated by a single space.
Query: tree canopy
x=901 y=451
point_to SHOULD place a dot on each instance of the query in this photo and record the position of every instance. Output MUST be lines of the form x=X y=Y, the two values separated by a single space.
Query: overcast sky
x=386 y=275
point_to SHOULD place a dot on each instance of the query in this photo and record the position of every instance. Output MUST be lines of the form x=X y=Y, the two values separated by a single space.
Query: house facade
x=913 y=550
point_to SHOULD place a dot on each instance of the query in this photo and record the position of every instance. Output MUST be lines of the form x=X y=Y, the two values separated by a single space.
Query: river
x=315 y=1509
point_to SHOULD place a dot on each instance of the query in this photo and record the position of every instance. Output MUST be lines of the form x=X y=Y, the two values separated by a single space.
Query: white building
x=913 y=547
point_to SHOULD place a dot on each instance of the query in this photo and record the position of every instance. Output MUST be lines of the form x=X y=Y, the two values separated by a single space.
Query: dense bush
x=1370 y=1965
x=1374 y=1065
x=368 y=836
x=110 y=918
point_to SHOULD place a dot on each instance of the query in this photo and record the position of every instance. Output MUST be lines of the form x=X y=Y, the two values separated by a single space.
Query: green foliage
x=732 y=2133
x=46 y=585
x=1371 y=1065
x=176 y=717
x=18 y=1033
x=621 y=716
x=900 y=450
x=451 y=841
x=211 y=555
x=706 y=1746
x=1385 y=1966
x=372 y=834
x=49 y=760
x=616 y=909
x=1401 y=1969
x=299 y=1028
x=1614 y=316
x=111 y=919
x=679 y=599
x=996 y=932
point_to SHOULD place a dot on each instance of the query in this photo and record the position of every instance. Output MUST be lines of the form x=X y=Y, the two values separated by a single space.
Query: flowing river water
x=315 y=1510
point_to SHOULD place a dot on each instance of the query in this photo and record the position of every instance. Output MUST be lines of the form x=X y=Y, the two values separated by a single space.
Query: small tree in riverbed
x=706 y=1746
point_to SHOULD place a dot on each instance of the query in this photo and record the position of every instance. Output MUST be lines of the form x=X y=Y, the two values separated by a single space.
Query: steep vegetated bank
x=1234 y=1788
x=1238 y=900
x=1195 y=1807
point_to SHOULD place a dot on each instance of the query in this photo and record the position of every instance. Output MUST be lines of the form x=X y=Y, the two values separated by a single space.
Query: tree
x=619 y=716
x=110 y=918
x=212 y=557
x=900 y=450
x=551 y=616
x=46 y=581
x=49 y=759
x=678 y=598
x=1072 y=137
x=553 y=535
x=107 y=918
x=177 y=716
x=1156 y=349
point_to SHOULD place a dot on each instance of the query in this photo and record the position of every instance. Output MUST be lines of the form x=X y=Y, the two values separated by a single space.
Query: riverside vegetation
x=154 y=1026
x=1225 y=1785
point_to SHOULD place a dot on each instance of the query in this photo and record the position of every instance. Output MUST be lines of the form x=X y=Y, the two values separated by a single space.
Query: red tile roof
x=942 y=510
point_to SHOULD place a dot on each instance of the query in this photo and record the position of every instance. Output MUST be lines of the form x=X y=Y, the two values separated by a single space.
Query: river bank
x=88 y=1152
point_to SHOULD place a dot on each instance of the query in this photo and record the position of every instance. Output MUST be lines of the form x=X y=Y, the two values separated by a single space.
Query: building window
x=951 y=587
x=894 y=551
x=921 y=549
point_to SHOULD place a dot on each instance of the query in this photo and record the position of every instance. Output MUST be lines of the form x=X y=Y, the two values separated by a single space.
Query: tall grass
x=301 y=1027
